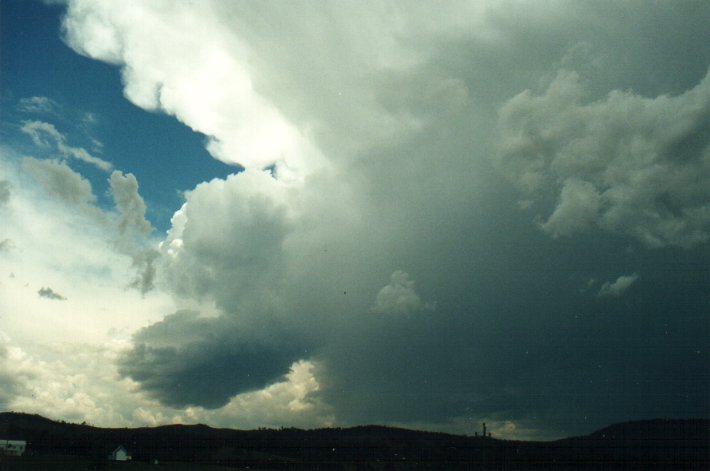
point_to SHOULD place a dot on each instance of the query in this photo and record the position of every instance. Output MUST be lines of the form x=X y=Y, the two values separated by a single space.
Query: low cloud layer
x=186 y=360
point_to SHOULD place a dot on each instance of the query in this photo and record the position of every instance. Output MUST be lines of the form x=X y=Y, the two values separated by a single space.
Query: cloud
x=625 y=163
x=382 y=121
x=618 y=287
x=46 y=135
x=5 y=245
x=241 y=126
x=227 y=242
x=187 y=360
x=38 y=104
x=49 y=293
x=576 y=210
x=398 y=297
x=14 y=371
x=124 y=189
x=60 y=181
x=63 y=240
x=133 y=228
x=4 y=192
x=224 y=248
x=59 y=360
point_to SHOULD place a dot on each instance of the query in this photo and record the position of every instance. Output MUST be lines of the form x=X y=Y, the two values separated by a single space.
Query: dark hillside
x=657 y=444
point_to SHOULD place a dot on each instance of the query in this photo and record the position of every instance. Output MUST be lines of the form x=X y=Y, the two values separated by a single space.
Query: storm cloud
x=387 y=144
x=187 y=360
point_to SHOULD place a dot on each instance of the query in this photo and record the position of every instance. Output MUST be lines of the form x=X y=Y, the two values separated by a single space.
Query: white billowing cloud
x=628 y=164
x=209 y=88
x=47 y=136
x=245 y=80
x=618 y=287
x=289 y=401
x=398 y=297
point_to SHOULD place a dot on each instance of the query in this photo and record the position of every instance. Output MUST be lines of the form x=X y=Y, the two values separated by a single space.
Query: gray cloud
x=133 y=227
x=49 y=293
x=628 y=164
x=224 y=247
x=417 y=126
x=227 y=242
x=187 y=360
x=124 y=190
x=60 y=181
x=5 y=245
x=11 y=383
x=46 y=135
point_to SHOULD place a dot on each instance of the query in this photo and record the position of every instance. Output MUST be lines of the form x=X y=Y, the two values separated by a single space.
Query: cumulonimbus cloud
x=274 y=271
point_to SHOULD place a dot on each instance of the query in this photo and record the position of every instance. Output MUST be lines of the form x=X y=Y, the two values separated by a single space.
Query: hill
x=656 y=444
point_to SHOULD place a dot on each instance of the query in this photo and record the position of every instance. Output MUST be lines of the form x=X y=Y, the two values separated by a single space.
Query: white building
x=12 y=447
x=119 y=454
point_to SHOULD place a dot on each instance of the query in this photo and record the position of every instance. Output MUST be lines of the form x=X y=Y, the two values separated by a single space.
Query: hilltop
x=655 y=444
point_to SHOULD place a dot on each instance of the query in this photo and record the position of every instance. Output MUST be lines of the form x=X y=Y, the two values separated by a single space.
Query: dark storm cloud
x=49 y=293
x=530 y=347
x=583 y=106
x=187 y=360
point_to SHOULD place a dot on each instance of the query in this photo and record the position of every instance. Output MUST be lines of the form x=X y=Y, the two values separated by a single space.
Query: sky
x=428 y=215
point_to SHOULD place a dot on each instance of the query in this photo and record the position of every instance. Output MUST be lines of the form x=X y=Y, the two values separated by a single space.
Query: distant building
x=119 y=454
x=12 y=447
